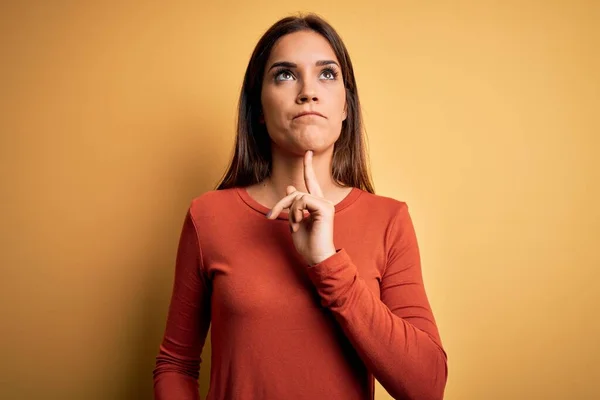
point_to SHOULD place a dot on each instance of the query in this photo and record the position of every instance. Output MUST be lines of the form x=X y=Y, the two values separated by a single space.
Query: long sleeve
x=178 y=361
x=395 y=335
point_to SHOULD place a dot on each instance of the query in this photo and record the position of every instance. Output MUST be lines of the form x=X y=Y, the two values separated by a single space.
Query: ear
x=345 y=113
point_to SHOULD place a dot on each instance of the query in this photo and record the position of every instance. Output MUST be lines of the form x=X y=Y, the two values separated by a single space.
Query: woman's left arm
x=396 y=335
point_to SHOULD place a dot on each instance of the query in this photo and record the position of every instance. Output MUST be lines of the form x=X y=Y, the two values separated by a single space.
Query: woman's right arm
x=178 y=361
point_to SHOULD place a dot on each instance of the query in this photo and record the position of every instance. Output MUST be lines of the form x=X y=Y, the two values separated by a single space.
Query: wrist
x=323 y=257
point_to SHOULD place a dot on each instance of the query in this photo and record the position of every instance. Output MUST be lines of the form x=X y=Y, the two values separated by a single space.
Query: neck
x=288 y=169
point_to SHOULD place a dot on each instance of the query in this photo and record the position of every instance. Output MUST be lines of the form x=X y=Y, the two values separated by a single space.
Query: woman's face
x=303 y=75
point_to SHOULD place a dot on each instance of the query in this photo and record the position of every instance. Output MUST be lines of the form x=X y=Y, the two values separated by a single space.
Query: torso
x=270 y=334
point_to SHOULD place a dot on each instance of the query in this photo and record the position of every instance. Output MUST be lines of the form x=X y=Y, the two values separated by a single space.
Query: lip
x=309 y=113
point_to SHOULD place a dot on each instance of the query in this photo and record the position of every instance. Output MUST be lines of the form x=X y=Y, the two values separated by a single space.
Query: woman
x=311 y=312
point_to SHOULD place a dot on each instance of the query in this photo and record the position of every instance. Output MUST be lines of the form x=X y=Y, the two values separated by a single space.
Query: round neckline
x=249 y=200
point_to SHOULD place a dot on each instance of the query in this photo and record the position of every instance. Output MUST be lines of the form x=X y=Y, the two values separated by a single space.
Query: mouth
x=303 y=114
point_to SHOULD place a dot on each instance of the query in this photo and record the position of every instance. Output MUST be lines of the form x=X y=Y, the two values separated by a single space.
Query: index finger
x=310 y=178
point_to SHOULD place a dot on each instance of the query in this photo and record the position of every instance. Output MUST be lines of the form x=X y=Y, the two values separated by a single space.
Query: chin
x=320 y=147
x=298 y=142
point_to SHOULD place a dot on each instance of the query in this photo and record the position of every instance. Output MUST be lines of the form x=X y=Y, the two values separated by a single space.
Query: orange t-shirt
x=281 y=329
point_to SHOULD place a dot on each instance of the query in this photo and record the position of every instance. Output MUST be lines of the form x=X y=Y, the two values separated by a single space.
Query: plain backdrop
x=482 y=115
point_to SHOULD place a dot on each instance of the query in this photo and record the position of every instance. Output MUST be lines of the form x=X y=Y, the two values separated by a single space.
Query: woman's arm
x=178 y=361
x=395 y=336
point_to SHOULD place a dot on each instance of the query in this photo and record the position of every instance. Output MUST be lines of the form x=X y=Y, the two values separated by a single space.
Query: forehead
x=302 y=47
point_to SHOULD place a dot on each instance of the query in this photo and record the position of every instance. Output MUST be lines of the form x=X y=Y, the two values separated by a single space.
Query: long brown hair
x=252 y=161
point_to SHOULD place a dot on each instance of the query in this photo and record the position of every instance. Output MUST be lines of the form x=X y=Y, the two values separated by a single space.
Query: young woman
x=312 y=282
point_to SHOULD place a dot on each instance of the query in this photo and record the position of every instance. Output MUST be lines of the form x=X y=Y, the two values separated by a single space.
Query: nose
x=307 y=94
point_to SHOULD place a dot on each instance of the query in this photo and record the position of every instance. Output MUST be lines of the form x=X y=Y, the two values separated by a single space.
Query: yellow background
x=483 y=116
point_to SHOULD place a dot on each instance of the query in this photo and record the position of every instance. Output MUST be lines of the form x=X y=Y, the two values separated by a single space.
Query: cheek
x=342 y=99
x=268 y=100
x=338 y=102
x=274 y=111
x=265 y=101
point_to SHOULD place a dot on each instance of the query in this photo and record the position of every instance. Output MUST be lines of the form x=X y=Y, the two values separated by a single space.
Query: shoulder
x=393 y=217
x=379 y=213
x=384 y=206
x=212 y=203
x=388 y=214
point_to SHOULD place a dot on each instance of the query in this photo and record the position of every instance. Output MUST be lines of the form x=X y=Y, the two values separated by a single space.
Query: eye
x=286 y=74
x=330 y=74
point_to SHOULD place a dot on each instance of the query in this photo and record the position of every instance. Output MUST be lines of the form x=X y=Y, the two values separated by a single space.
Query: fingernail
x=269 y=213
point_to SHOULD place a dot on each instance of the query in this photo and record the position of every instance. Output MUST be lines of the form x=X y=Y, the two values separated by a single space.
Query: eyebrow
x=292 y=65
